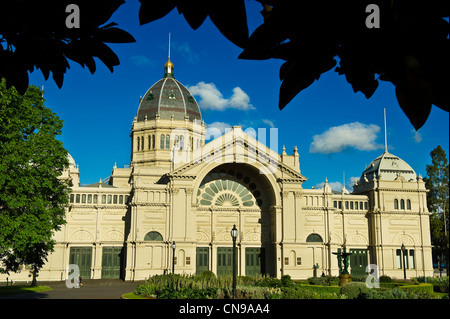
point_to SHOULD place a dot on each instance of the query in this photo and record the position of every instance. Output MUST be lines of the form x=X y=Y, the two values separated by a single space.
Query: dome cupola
x=388 y=167
x=168 y=99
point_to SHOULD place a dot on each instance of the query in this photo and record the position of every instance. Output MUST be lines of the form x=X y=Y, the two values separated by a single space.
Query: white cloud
x=216 y=129
x=336 y=186
x=268 y=122
x=338 y=138
x=211 y=98
x=417 y=136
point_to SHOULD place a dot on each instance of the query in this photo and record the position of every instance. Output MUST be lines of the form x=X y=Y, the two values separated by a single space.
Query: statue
x=343 y=258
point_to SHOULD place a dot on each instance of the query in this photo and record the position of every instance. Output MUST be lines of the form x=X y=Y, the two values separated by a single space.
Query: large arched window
x=162 y=141
x=314 y=238
x=153 y=236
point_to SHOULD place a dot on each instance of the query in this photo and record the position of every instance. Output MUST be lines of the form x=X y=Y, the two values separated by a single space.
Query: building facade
x=179 y=189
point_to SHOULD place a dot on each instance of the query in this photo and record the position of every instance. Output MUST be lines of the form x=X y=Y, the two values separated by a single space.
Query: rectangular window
x=103 y=199
x=72 y=198
x=188 y=260
x=286 y=261
x=95 y=199
x=399 y=258
x=299 y=261
x=351 y=205
x=78 y=198
x=366 y=206
x=109 y=199
x=115 y=199
x=335 y=204
x=89 y=198
x=126 y=199
x=121 y=199
x=83 y=198
x=175 y=260
x=346 y=205
x=340 y=204
x=411 y=259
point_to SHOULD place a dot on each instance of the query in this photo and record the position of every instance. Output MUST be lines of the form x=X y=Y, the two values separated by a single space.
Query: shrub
x=207 y=275
x=311 y=292
x=385 y=279
x=418 y=289
x=269 y=282
x=395 y=293
x=286 y=281
x=355 y=290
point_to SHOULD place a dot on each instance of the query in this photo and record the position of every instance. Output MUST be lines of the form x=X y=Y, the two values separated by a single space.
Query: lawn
x=20 y=289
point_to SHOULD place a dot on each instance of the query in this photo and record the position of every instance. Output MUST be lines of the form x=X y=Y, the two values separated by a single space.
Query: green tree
x=438 y=201
x=33 y=195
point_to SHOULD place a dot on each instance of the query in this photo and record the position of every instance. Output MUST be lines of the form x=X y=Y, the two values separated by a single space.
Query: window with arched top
x=314 y=238
x=395 y=203
x=402 y=204
x=153 y=236
x=167 y=141
x=162 y=141
x=408 y=204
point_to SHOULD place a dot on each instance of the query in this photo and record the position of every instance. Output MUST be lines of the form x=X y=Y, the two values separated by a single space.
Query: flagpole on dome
x=385 y=133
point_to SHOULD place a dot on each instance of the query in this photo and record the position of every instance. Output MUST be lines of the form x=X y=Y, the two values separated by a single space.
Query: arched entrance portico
x=235 y=194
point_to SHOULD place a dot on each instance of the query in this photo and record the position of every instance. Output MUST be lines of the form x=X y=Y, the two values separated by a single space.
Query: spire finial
x=168 y=67
x=385 y=132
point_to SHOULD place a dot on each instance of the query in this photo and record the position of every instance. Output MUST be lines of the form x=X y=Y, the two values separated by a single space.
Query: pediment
x=234 y=147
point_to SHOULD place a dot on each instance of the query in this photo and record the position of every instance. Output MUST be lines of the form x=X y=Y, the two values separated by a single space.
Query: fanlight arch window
x=229 y=189
x=153 y=236
x=314 y=238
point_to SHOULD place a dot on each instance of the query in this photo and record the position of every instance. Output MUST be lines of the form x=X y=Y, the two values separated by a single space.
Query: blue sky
x=336 y=130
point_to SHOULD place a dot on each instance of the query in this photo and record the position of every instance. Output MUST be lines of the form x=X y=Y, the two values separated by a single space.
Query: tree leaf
x=230 y=18
x=114 y=35
x=414 y=96
x=151 y=10
x=194 y=11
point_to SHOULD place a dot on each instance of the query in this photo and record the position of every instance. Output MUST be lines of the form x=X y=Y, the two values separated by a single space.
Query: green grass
x=132 y=295
x=21 y=289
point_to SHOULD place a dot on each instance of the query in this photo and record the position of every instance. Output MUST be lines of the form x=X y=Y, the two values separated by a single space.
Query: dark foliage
x=34 y=35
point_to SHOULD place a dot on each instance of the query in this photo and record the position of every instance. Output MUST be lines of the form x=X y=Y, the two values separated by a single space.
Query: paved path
x=92 y=289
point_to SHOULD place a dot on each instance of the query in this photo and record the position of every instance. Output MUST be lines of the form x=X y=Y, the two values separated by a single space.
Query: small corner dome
x=168 y=99
x=388 y=167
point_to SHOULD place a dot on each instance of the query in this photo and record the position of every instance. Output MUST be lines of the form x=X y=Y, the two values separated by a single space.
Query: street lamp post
x=403 y=260
x=173 y=256
x=234 y=234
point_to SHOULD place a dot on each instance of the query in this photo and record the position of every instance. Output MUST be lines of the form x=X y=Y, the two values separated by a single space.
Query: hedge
x=421 y=288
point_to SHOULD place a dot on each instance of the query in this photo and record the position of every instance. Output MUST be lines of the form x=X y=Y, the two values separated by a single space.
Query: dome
x=388 y=167
x=168 y=98
x=71 y=160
